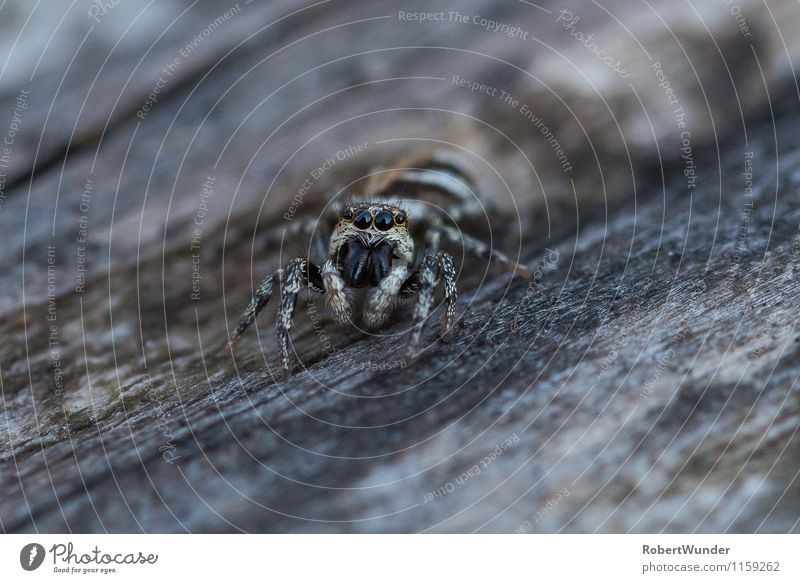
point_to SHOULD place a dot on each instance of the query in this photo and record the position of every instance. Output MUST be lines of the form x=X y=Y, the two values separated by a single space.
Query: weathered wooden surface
x=646 y=380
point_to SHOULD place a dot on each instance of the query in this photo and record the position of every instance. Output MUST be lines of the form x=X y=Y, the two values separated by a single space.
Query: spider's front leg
x=292 y=282
x=299 y=273
x=306 y=227
x=382 y=299
x=260 y=299
x=425 y=281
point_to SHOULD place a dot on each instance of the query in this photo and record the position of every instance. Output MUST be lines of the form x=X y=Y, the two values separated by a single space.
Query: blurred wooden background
x=644 y=381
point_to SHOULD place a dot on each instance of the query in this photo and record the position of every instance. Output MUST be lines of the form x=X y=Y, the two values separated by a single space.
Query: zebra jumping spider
x=390 y=245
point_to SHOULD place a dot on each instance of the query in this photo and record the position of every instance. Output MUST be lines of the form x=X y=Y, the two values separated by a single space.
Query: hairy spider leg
x=300 y=273
x=259 y=300
x=425 y=282
x=482 y=250
x=291 y=284
x=306 y=227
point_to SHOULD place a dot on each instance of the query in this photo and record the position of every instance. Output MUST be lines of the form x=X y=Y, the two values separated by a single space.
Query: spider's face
x=367 y=239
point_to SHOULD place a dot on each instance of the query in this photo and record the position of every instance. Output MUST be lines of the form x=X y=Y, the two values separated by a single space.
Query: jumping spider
x=390 y=246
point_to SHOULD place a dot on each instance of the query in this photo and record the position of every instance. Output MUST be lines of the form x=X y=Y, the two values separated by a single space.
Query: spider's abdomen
x=364 y=265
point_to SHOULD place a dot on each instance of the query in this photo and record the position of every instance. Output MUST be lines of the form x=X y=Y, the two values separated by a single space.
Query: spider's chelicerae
x=391 y=244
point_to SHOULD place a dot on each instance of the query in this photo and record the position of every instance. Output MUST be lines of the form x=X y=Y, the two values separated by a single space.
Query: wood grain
x=644 y=380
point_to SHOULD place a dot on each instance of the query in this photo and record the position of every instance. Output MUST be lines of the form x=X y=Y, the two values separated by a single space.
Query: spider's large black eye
x=383 y=221
x=347 y=214
x=363 y=219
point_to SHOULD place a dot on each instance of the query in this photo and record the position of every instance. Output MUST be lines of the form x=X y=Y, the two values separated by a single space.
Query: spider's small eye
x=347 y=214
x=383 y=220
x=363 y=219
x=400 y=218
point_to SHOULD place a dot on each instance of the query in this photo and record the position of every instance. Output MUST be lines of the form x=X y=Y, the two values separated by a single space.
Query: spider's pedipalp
x=435 y=264
x=383 y=297
x=335 y=294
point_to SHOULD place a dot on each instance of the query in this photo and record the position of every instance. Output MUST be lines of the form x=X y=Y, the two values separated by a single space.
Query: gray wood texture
x=645 y=380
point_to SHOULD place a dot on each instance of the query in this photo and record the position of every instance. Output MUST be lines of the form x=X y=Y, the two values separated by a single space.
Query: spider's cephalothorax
x=372 y=245
x=367 y=240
